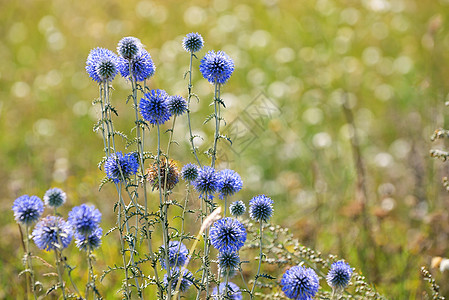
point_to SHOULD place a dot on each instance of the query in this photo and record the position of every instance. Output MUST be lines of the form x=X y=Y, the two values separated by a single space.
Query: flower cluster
x=339 y=275
x=300 y=283
x=216 y=67
x=102 y=65
x=154 y=107
x=119 y=167
x=229 y=184
x=55 y=197
x=177 y=105
x=228 y=262
x=177 y=254
x=261 y=208
x=172 y=174
x=189 y=172
x=237 y=208
x=85 y=221
x=187 y=280
x=227 y=234
x=207 y=181
x=52 y=232
x=193 y=42
x=27 y=210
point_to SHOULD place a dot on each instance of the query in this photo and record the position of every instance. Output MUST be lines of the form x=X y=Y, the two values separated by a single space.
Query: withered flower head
x=172 y=174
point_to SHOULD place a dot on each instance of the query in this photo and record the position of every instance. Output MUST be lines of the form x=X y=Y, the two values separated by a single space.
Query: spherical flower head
x=233 y=292
x=207 y=181
x=186 y=281
x=27 y=210
x=172 y=174
x=119 y=167
x=261 y=208
x=300 y=283
x=229 y=184
x=154 y=107
x=177 y=105
x=89 y=242
x=216 y=67
x=55 y=197
x=228 y=262
x=142 y=66
x=128 y=47
x=189 y=172
x=193 y=42
x=52 y=232
x=227 y=234
x=339 y=275
x=84 y=218
x=102 y=65
x=177 y=254
x=237 y=208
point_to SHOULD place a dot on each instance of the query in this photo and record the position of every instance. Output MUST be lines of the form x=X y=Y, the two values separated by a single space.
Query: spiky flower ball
x=193 y=42
x=102 y=65
x=55 y=197
x=300 y=283
x=52 y=232
x=230 y=183
x=233 y=292
x=177 y=254
x=154 y=107
x=128 y=47
x=119 y=167
x=177 y=105
x=142 y=66
x=237 y=208
x=207 y=181
x=216 y=67
x=84 y=218
x=172 y=174
x=27 y=210
x=227 y=234
x=186 y=281
x=89 y=242
x=261 y=208
x=339 y=275
x=228 y=262
x=189 y=172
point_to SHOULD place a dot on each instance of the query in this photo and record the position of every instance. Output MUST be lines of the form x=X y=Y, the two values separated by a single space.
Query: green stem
x=29 y=262
x=217 y=121
x=188 y=110
x=58 y=267
x=260 y=260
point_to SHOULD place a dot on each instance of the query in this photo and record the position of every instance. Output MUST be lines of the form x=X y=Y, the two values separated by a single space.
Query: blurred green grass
x=389 y=56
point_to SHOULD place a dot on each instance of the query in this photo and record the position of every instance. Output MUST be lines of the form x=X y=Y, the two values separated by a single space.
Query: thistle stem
x=217 y=122
x=29 y=262
x=260 y=260
x=188 y=110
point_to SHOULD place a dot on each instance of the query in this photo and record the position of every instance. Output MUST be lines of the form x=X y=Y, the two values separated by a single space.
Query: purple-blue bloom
x=233 y=292
x=186 y=281
x=227 y=234
x=193 y=42
x=52 y=232
x=154 y=107
x=27 y=210
x=228 y=262
x=142 y=66
x=177 y=105
x=89 y=242
x=84 y=218
x=339 y=275
x=261 y=208
x=300 y=283
x=189 y=172
x=207 y=181
x=101 y=65
x=177 y=254
x=216 y=67
x=237 y=208
x=54 y=197
x=118 y=164
x=229 y=184
x=128 y=47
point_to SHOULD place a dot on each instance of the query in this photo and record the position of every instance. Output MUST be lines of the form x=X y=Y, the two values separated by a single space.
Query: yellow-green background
x=390 y=56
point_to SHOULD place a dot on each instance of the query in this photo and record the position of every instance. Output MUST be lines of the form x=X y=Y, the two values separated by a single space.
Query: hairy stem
x=188 y=110
x=260 y=260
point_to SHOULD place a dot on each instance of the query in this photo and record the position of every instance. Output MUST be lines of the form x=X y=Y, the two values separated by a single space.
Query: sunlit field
x=330 y=109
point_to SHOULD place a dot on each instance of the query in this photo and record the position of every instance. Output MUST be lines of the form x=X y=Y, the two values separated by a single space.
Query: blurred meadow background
x=331 y=108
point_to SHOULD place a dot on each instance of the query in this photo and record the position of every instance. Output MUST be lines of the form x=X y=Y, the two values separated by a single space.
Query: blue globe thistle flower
x=118 y=164
x=227 y=234
x=177 y=105
x=229 y=184
x=216 y=67
x=300 y=283
x=207 y=181
x=186 y=281
x=339 y=275
x=177 y=254
x=193 y=42
x=27 y=210
x=189 y=172
x=237 y=208
x=142 y=66
x=128 y=47
x=233 y=292
x=47 y=230
x=261 y=208
x=55 y=197
x=101 y=65
x=154 y=107
x=84 y=218
x=228 y=262
x=89 y=242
